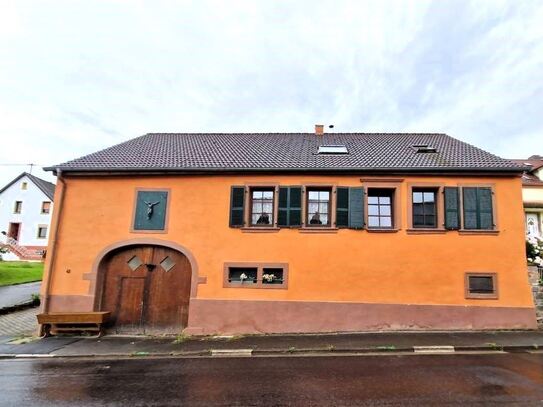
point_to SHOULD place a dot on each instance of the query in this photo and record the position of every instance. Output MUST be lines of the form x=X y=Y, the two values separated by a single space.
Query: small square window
x=134 y=263
x=167 y=264
x=272 y=275
x=481 y=285
x=42 y=232
x=243 y=275
x=24 y=185
x=45 y=207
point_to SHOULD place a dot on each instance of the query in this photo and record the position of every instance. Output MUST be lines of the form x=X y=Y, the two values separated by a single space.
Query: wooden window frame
x=495 y=230
x=259 y=272
x=440 y=220
x=248 y=211
x=331 y=205
x=38 y=231
x=48 y=209
x=166 y=216
x=479 y=296
x=393 y=185
x=18 y=209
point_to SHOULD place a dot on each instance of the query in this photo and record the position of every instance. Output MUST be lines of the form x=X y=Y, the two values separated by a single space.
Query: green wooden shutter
x=452 y=210
x=289 y=207
x=342 y=207
x=295 y=206
x=282 y=211
x=471 y=207
x=237 y=206
x=486 y=220
x=356 y=208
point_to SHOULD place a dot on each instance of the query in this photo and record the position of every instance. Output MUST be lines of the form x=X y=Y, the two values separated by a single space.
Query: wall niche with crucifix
x=151 y=210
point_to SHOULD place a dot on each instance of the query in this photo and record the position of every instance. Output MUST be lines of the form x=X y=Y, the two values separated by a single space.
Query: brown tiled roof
x=533 y=164
x=245 y=152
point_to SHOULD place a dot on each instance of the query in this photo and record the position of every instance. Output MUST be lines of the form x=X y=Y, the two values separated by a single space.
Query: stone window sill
x=318 y=230
x=478 y=232
x=257 y=229
x=425 y=231
x=375 y=230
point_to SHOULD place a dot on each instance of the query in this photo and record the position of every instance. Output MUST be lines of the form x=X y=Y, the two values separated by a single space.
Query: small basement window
x=255 y=275
x=333 y=149
x=242 y=275
x=481 y=285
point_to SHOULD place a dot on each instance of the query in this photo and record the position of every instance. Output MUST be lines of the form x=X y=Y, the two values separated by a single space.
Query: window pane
x=267 y=208
x=386 y=222
x=242 y=275
x=272 y=276
x=324 y=196
x=417 y=197
x=373 y=221
x=267 y=194
x=418 y=220
x=254 y=218
x=257 y=194
x=481 y=285
x=429 y=196
x=324 y=218
x=429 y=208
x=373 y=210
x=323 y=207
x=257 y=207
x=313 y=195
x=373 y=200
x=313 y=207
x=384 y=210
x=384 y=200
x=418 y=209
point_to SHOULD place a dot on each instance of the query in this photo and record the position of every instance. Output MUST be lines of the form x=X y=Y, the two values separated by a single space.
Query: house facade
x=26 y=206
x=532 y=194
x=296 y=232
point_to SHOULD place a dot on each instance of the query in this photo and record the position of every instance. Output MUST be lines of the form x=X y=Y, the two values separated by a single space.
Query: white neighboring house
x=26 y=205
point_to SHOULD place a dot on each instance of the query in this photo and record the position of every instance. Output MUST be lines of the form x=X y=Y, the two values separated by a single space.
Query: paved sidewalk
x=281 y=344
x=19 y=323
x=13 y=295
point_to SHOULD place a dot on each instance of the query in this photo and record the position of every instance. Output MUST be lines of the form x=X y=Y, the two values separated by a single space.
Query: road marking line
x=434 y=349
x=231 y=352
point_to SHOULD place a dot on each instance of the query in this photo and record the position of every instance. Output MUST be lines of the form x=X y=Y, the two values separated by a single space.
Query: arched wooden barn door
x=147 y=289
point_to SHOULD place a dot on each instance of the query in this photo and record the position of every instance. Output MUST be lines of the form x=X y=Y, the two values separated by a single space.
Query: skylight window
x=333 y=149
x=424 y=148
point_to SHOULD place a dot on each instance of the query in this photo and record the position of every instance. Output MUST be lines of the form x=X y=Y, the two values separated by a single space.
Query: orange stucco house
x=296 y=232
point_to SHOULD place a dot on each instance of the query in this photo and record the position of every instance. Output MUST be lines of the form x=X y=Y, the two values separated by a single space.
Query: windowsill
x=426 y=231
x=382 y=230
x=481 y=297
x=478 y=232
x=259 y=229
x=315 y=229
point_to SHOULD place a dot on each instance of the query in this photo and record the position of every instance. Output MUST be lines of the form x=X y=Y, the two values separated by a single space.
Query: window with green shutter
x=477 y=208
x=452 y=208
x=237 y=206
x=289 y=212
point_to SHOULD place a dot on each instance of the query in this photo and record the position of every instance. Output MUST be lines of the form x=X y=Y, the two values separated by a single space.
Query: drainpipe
x=53 y=244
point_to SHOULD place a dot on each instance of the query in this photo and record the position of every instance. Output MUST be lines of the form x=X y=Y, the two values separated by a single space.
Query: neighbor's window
x=24 y=185
x=481 y=285
x=424 y=208
x=318 y=207
x=45 y=207
x=255 y=275
x=380 y=208
x=262 y=207
x=42 y=232
x=18 y=207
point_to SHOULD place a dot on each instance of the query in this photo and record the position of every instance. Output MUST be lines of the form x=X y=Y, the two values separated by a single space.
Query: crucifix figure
x=150 y=208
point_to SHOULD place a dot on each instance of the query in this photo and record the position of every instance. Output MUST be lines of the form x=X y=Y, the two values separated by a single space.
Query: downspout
x=53 y=244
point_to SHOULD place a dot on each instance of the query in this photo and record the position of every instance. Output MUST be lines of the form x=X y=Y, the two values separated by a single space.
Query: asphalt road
x=275 y=381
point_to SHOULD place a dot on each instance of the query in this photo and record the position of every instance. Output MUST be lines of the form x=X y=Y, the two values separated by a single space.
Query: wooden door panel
x=130 y=303
x=162 y=286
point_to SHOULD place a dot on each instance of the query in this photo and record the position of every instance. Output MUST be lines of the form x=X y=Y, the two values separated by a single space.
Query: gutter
x=53 y=244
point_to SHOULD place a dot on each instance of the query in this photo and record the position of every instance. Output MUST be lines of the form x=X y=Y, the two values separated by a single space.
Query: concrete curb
x=18 y=307
x=419 y=350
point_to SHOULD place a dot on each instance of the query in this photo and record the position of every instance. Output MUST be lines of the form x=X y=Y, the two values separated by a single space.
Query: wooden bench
x=56 y=322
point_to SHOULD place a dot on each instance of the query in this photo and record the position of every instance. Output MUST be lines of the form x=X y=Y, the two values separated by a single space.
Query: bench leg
x=46 y=330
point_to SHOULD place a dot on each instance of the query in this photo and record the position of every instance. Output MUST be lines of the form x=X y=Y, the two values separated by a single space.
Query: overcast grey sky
x=78 y=76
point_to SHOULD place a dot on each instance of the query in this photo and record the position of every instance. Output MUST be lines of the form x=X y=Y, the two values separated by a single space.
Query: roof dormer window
x=424 y=148
x=333 y=149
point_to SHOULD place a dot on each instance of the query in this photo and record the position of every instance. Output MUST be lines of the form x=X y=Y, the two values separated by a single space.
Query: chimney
x=319 y=129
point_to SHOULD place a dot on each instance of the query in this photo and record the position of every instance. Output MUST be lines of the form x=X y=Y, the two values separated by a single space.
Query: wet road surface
x=275 y=381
